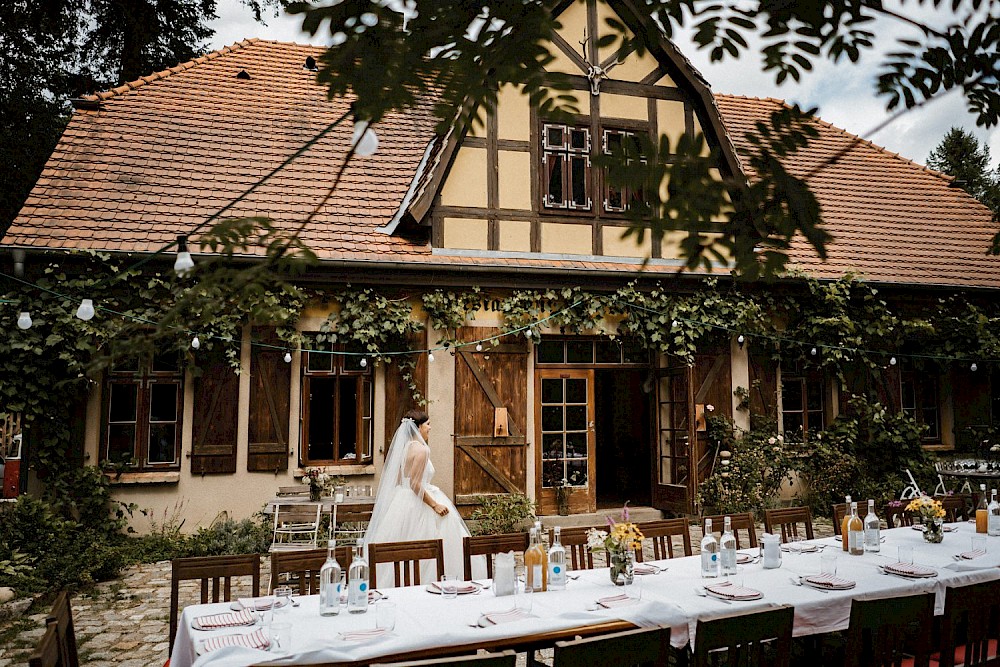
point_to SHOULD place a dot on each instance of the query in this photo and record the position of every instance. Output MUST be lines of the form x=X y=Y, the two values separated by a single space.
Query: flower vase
x=315 y=493
x=934 y=530
x=622 y=567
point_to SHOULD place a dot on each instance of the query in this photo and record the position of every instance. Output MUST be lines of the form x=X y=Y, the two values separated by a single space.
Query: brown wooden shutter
x=971 y=397
x=713 y=385
x=398 y=397
x=270 y=393
x=763 y=387
x=495 y=378
x=216 y=409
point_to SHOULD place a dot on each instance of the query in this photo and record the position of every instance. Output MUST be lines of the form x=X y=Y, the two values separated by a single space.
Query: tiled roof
x=163 y=154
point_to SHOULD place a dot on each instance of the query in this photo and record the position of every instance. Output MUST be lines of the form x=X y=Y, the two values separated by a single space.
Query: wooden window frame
x=363 y=408
x=920 y=393
x=144 y=378
x=565 y=151
x=803 y=379
x=593 y=341
x=627 y=196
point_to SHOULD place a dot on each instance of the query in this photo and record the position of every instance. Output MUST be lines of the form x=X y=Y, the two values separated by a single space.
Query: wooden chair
x=295 y=526
x=970 y=626
x=504 y=659
x=957 y=507
x=662 y=533
x=487 y=545
x=761 y=638
x=740 y=521
x=220 y=570
x=884 y=632
x=405 y=559
x=574 y=540
x=896 y=516
x=632 y=647
x=57 y=647
x=351 y=521
x=787 y=519
x=301 y=568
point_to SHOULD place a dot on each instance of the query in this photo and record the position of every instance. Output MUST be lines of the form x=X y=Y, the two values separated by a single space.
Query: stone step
x=600 y=517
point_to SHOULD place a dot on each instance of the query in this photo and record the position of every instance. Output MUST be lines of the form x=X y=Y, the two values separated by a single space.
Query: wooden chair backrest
x=574 y=539
x=61 y=617
x=46 y=653
x=971 y=622
x=787 y=519
x=632 y=647
x=303 y=568
x=219 y=570
x=896 y=517
x=487 y=545
x=882 y=632
x=661 y=533
x=744 y=638
x=405 y=559
x=504 y=659
x=957 y=507
x=740 y=520
x=355 y=513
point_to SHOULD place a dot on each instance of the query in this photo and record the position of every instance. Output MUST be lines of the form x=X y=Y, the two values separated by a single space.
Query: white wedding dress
x=401 y=515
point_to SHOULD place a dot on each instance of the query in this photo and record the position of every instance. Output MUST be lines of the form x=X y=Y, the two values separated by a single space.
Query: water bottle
x=357 y=582
x=709 y=553
x=727 y=548
x=873 y=537
x=329 y=583
x=557 y=562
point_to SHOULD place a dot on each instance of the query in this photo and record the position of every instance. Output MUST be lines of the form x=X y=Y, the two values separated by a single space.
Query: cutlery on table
x=698 y=590
x=798 y=582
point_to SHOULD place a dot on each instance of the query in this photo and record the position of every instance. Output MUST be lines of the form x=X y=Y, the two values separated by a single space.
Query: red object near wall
x=12 y=478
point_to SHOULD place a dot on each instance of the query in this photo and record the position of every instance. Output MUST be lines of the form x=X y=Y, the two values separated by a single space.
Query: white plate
x=236 y=606
x=433 y=588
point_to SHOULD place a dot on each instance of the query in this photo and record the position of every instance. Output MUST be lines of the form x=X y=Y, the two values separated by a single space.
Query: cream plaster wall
x=515 y=235
x=464 y=233
x=513 y=114
x=670 y=245
x=636 y=68
x=574 y=24
x=670 y=120
x=515 y=179
x=441 y=410
x=616 y=246
x=470 y=188
x=624 y=106
x=567 y=239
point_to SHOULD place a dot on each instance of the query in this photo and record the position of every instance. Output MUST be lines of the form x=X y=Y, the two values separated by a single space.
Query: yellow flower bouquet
x=926 y=507
x=621 y=541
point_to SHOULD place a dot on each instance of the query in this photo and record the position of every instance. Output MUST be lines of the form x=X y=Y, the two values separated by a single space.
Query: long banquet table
x=428 y=625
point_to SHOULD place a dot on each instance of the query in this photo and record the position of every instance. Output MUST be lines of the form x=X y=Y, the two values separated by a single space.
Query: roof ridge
x=162 y=74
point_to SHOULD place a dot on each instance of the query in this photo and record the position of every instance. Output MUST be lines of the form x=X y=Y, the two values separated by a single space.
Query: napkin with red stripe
x=257 y=639
x=361 y=635
x=910 y=570
x=969 y=555
x=731 y=591
x=460 y=586
x=227 y=620
x=499 y=617
x=830 y=581
x=622 y=600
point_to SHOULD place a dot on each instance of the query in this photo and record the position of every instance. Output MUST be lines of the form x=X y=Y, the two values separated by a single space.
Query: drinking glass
x=449 y=587
x=905 y=554
x=263 y=608
x=282 y=599
x=979 y=543
x=828 y=564
x=281 y=637
x=385 y=615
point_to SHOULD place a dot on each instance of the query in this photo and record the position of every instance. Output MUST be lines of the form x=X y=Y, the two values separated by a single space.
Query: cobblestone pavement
x=125 y=621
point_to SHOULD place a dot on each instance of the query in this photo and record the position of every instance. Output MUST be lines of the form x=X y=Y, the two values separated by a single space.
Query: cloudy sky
x=844 y=92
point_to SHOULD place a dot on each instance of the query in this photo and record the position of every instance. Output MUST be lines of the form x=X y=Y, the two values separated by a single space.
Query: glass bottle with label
x=535 y=563
x=727 y=548
x=329 y=583
x=844 y=522
x=993 y=520
x=709 y=552
x=873 y=536
x=982 y=511
x=357 y=582
x=855 y=533
x=557 y=562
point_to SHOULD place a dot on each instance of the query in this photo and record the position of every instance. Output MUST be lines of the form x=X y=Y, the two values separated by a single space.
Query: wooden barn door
x=491 y=395
x=712 y=376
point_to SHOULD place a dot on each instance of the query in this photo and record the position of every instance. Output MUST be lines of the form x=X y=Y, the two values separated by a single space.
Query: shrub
x=230 y=537
x=502 y=513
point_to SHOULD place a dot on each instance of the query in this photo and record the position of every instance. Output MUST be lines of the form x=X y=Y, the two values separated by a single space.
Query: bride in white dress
x=408 y=507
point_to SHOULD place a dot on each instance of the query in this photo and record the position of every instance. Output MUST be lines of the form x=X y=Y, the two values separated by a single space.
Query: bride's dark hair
x=418 y=416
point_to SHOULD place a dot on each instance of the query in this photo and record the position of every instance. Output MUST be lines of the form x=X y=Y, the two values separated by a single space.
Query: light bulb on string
x=479 y=347
x=363 y=363
x=86 y=310
x=288 y=357
x=673 y=324
x=24 y=320
x=195 y=343
x=813 y=351
x=741 y=339
x=973 y=367
x=364 y=140
x=892 y=361
x=527 y=334
x=430 y=357
x=183 y=264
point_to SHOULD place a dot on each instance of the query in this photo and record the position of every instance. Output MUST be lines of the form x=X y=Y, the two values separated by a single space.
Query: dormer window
x=566 y=167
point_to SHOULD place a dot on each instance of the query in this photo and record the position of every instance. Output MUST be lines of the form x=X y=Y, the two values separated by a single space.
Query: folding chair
x=219 y=570
x=488 y=545
x=296 y=526
x=405 y=557
x=661 y=534
x=912 y=489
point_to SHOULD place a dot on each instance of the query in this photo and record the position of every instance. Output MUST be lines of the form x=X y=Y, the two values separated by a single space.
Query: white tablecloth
x=425 y=620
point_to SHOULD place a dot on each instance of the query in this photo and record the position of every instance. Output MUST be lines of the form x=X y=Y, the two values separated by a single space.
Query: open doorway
x=622 y=429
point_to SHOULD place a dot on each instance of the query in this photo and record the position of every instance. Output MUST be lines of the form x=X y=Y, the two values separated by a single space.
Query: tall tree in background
x=961 y=155
x=54 y=50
